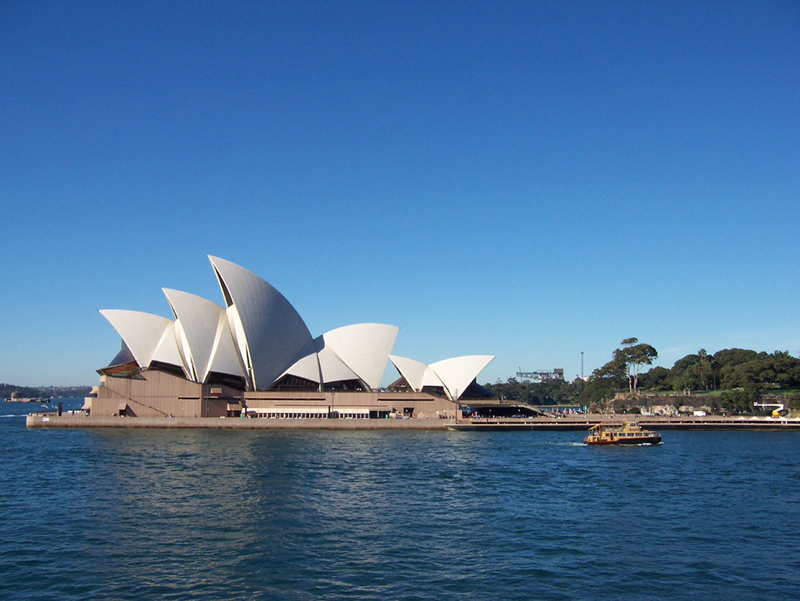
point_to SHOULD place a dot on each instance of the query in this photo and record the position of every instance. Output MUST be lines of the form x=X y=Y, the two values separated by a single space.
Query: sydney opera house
x=253 y=356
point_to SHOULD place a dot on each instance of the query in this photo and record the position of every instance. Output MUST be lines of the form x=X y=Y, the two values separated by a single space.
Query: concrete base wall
x=43 y=420
x=156 y=394
x=81 y=421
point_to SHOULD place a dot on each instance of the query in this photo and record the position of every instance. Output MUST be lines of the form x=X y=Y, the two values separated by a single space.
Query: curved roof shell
x=149 y=337
x=355 y=352
x=413 y=372
x=123 y=357
x=274 y=333
x=208 y=339
x=364 y=348
x=307 y=366
x=331 y=365
x=167 y=350
x=458 y=373
x=259 y=336
x=454 y=375
x=319 y=362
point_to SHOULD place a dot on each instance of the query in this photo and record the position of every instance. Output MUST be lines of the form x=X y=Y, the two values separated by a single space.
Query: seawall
x=44 y=420
x=584 y=422
x=82 y=421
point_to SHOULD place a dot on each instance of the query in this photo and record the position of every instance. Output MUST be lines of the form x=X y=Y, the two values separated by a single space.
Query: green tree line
x=726 y=370
x=742 y=376
x=550 y=392
x=6 y=390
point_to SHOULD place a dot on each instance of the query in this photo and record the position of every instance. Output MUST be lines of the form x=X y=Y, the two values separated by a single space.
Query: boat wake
x=572 y=443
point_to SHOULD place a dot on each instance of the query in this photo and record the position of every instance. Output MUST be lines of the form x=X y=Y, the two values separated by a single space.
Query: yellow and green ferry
x=621 y=433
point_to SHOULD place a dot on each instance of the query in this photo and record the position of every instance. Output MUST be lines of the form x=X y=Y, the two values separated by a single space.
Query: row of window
x=307 y=415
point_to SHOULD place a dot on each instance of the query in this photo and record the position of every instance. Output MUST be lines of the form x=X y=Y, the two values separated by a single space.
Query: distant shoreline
x=29 y=400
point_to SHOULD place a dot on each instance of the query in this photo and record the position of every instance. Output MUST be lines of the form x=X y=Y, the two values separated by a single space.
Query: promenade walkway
x=584 y=422
x=576 y=422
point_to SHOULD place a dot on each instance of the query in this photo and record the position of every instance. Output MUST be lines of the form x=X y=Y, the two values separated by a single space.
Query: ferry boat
x=624 y=433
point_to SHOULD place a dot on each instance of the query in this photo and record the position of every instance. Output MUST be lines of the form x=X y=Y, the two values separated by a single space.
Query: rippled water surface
x=201 y=514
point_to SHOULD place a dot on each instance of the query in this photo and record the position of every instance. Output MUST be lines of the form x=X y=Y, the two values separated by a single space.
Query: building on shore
x=254 y=356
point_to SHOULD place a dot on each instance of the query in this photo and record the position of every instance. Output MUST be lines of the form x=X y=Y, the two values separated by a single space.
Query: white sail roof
x=431 y=379
x=413 y=371
x=333 y=368
x=259 y=336
x=318 y=361
x=274 y=333
x=209 y=341
x=307 y=366
x=145 y=334
x=225 y=358
x=458 y=373
x=167 y=350
x=454 y=375
x=364 y=348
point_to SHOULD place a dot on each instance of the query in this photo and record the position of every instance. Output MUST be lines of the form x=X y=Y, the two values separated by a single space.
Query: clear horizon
x=528 y=180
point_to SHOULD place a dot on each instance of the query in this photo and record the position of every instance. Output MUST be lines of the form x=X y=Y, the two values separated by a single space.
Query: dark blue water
x=197 y=514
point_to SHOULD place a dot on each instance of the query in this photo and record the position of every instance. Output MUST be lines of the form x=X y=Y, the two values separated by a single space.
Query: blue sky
x=531 y=180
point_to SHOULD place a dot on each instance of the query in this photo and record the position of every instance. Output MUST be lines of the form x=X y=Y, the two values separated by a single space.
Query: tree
x=551 y=392
x=624 y=367
x=740 y=401
x=598 y=394
x=604 y=383
x=657 y=378
x=635 y=355
x=703 y=367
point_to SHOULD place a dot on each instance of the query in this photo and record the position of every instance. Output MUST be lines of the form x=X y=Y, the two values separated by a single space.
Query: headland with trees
x=728 y=382
x=12 y=391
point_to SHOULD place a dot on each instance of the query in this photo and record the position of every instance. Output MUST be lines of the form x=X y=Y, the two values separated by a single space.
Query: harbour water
x=202 y=514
